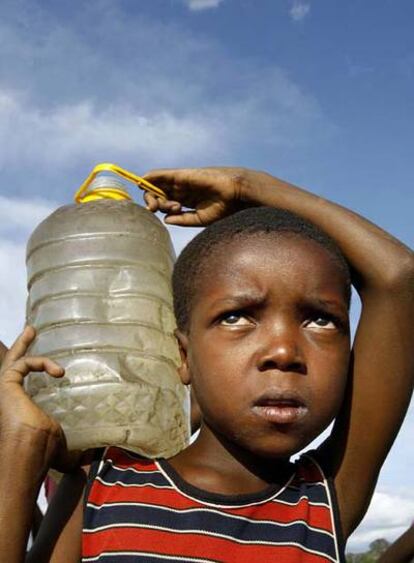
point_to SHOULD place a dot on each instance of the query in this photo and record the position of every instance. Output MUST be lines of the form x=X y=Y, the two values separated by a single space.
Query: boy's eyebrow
x=239 y=300
x=327 y=303
x=256 y=298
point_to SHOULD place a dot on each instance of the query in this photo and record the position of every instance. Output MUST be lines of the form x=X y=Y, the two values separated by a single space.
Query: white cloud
x=384 y=519
x=22 y=215
x=18 y=218
x=81 y=131
x=163 y=97
x=197 y=5
x=12 y=290
x=265 y=104
x=299 y=10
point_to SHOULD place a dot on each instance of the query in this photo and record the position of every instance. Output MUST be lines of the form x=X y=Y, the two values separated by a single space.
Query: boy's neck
x=213 y=464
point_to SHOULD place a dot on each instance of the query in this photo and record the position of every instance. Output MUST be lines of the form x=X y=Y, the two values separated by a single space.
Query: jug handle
x=108 y=167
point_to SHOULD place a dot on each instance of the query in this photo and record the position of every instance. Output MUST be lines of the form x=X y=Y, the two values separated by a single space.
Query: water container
x=100 y=299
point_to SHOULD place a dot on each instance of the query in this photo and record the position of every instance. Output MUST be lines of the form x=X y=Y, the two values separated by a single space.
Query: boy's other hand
x=197 y=196
x=21 y=418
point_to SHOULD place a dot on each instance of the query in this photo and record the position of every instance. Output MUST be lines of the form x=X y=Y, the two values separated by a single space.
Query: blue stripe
x=210 y=522
x=315 y=493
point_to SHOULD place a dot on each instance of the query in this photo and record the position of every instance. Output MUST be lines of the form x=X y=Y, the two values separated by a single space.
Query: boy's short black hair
x=190 y=265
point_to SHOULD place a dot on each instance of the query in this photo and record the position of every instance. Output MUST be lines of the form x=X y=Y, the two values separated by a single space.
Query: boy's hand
x=20 y=417
x=210 y=193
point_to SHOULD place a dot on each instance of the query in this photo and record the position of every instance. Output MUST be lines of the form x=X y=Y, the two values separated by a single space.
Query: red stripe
x=191 y=545
x=317 y=516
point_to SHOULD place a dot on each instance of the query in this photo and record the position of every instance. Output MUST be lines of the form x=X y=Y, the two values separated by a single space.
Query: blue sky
x=318 y=92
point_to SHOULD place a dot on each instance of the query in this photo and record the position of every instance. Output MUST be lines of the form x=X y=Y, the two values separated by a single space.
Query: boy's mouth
x=280 y=407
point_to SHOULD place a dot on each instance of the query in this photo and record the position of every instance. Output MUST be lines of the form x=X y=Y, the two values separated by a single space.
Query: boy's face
x=268 y=346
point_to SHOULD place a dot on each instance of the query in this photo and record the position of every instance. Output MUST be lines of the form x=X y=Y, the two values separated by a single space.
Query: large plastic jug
x=100 y=300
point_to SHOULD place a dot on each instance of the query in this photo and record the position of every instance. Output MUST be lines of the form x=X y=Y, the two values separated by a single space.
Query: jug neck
x=106 y=187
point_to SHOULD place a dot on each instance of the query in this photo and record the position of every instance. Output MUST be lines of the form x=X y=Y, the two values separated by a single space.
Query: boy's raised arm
x=402 y=550
x=381 y=379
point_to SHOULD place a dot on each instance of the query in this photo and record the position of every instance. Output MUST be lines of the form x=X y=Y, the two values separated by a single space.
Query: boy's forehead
x=296 y=260
x=284 y=248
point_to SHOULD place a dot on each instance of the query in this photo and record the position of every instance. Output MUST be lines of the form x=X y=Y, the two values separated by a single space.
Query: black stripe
x=221 y=499
x=211 y=522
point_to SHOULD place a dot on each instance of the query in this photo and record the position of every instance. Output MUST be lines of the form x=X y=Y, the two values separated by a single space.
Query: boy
x=262 y=314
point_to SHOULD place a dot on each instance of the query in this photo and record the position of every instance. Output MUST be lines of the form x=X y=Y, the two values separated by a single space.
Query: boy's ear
x=183 y=370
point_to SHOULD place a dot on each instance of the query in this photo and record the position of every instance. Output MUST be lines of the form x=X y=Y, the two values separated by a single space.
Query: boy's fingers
x=161 y=180
x=151 y=201
x=17 y=371
x=184 y=176
x=203 y=215
x=187 y=219
x=169 y=206
x=157 y=204
x=20 y=346
x=162 y=175
x=174 y=180
x=169 y=175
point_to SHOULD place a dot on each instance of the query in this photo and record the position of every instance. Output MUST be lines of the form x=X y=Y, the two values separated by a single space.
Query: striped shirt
x=140 y=510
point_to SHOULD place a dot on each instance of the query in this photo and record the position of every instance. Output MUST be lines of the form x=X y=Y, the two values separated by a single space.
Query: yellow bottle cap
x=84 y=194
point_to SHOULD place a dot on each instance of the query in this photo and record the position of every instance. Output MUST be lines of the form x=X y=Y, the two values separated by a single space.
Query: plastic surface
x=100 y=299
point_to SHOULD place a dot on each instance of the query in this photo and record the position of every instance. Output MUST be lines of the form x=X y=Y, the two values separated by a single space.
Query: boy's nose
x=283 y=353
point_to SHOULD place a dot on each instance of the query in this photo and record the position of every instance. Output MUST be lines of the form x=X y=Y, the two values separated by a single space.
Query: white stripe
x=213 y=535
x=211 y=511
x=307 y=483
x=141 y=472
x=146 y=554
x=136 y=485
x=311 y=503
x=102 y=461
x=209 y=503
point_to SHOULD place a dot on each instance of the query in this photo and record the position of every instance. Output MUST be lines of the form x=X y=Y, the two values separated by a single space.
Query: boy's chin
x=282 y=449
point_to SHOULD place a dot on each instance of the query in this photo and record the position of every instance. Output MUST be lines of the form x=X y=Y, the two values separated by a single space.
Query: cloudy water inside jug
x=99 y=280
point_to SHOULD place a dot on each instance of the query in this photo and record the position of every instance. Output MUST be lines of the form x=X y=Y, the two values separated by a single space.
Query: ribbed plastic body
x=100 y=299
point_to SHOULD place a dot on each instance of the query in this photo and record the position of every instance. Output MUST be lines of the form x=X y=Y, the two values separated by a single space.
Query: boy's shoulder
x=306 y=483
x=307 y=470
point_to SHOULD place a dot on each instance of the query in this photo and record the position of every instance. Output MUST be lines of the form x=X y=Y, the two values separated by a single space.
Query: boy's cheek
x=327 y=381
x=332 y=393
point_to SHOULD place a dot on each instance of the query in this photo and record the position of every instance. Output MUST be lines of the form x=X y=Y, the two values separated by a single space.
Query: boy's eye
x=234 y=319
x=322 y=322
